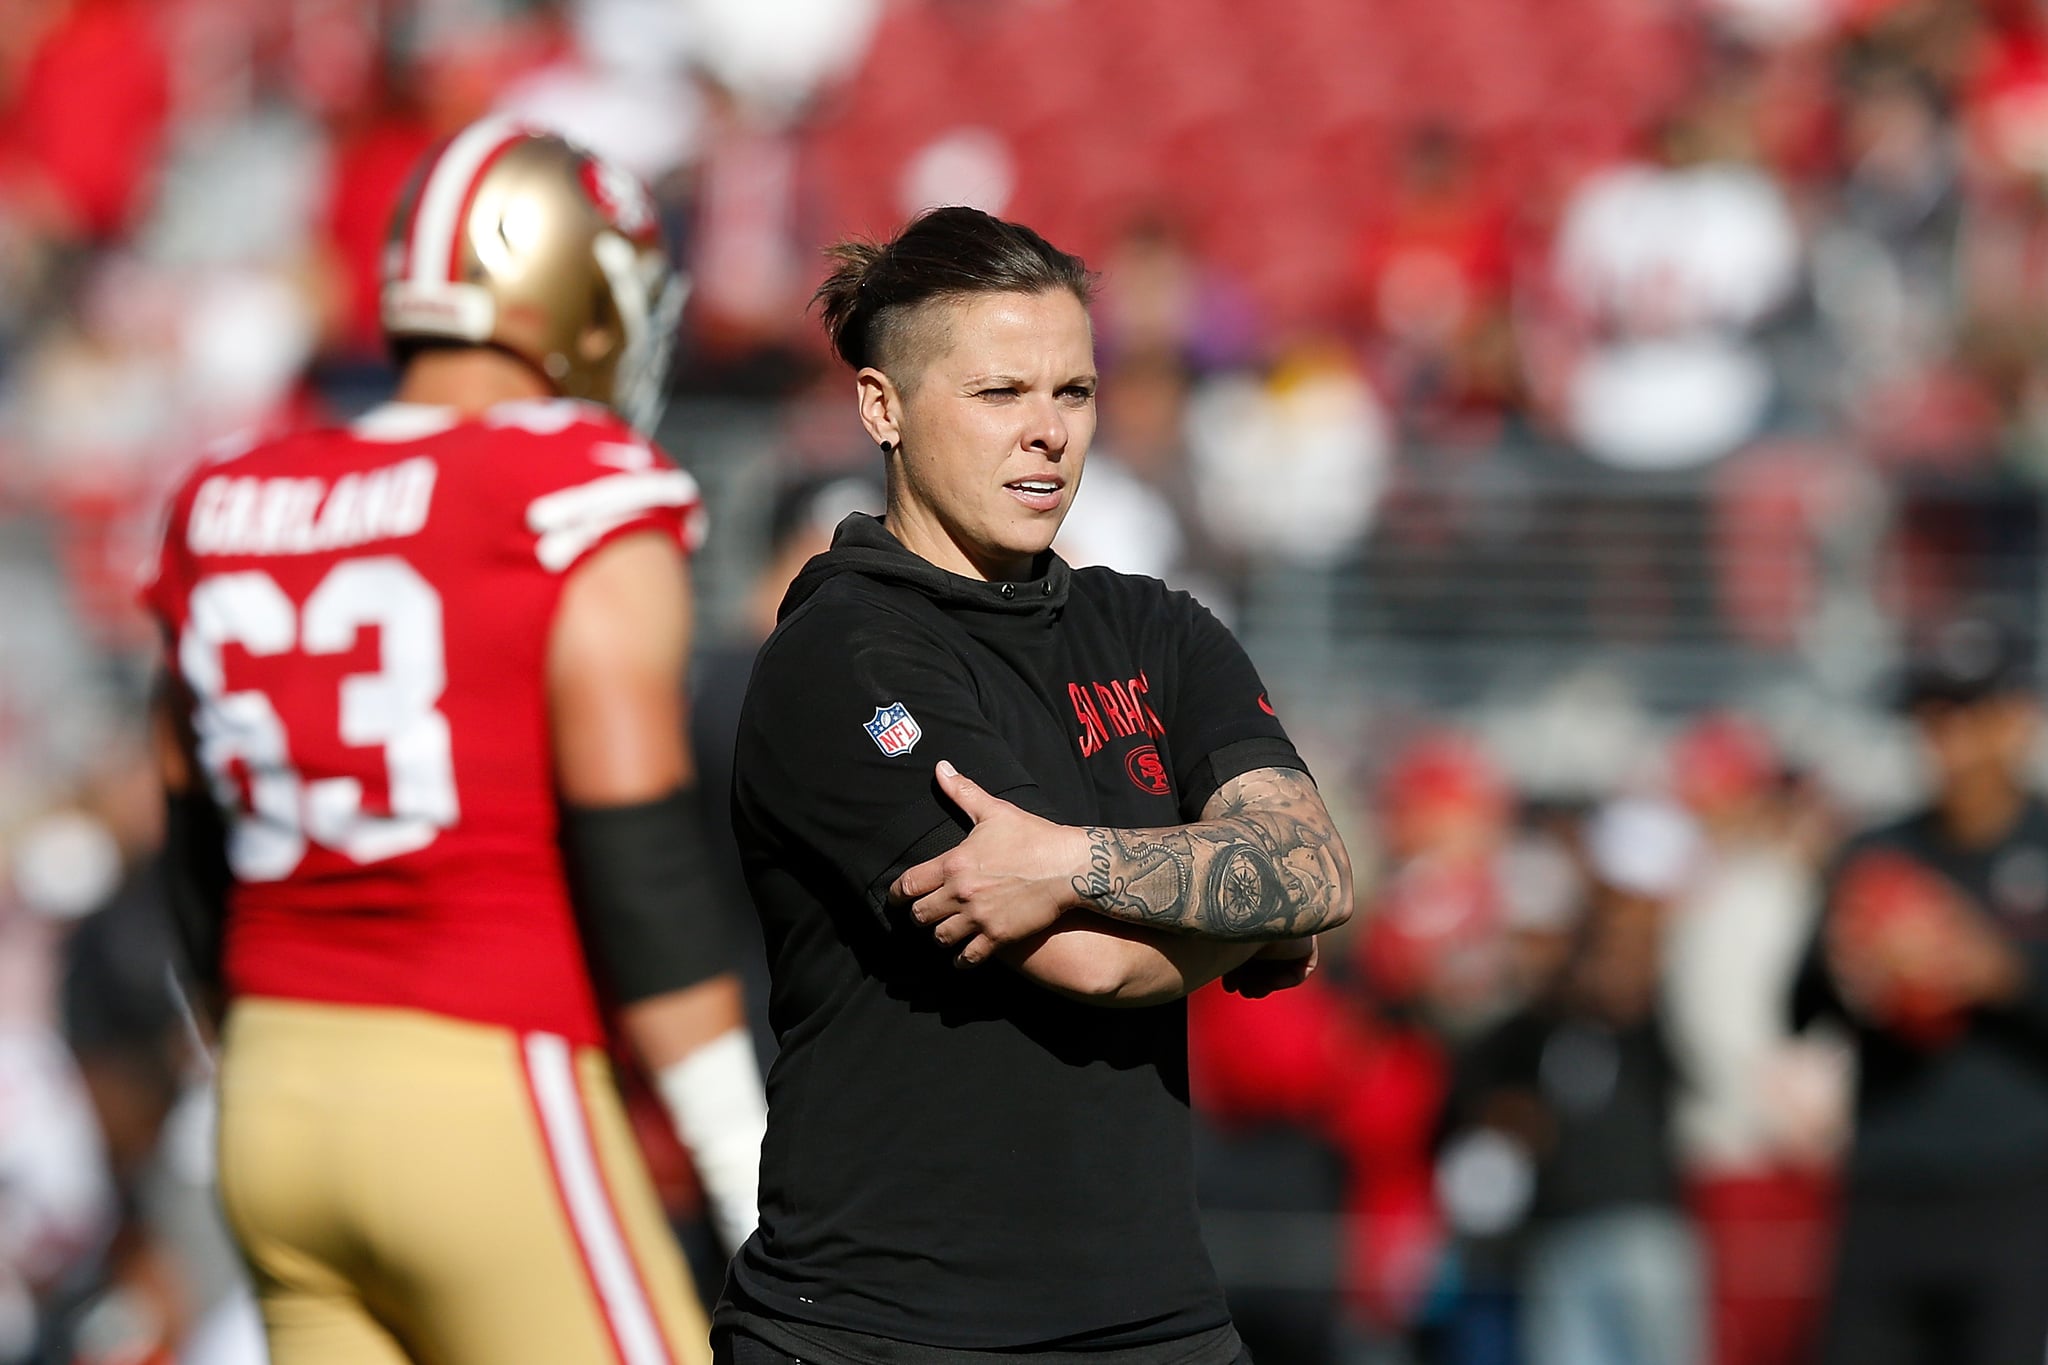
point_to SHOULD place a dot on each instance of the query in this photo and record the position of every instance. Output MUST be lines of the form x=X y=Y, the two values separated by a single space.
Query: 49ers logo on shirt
x=1148 y=771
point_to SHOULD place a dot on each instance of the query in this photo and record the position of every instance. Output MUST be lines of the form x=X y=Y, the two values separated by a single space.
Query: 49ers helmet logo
x=622 y=199
x=1147 y=771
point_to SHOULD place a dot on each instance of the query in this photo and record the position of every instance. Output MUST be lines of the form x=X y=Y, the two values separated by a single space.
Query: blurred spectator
x=428 y=79
x=83 y=104
x=748 y=273
x=1762 y=1112
x=771 y=54
x=1268 y=1086
x=1129 y=525
x=621 y=87
x=1670 y=267
x=160 y=1263
x=1290 y=466
x=57 y=1202
x=1581 y=1083
x=1484 y=1178
x=1934 y=950
x=374 y=150
x=1140 y=515
x=59 y=1205
x=1435 y=939
x=1160 y=298
x=1884 y=261
x=1432 y=270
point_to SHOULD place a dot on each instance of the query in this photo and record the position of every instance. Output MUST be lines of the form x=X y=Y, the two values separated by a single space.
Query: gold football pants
x=415 y=1190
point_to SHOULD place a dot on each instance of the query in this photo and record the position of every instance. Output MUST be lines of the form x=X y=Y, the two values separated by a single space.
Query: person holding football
x=432 y=810
x=1934 y=948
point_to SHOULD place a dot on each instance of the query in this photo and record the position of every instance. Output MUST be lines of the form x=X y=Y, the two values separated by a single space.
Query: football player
x=422 y=736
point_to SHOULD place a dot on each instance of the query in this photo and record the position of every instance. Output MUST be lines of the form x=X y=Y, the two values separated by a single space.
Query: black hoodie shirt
x=963 y=1159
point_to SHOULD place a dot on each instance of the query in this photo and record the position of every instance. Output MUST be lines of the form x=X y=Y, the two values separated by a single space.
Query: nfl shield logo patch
x=893 y=730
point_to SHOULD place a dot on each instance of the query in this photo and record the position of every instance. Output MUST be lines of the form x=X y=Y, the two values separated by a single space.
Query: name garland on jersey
x=244 y=514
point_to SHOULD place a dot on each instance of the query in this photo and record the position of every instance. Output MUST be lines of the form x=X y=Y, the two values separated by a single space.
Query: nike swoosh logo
x=1267 y=706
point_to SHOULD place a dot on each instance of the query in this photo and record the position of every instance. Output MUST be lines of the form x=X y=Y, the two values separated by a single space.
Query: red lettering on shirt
x=1113 y=711
x=1092 y=737
x=1148 y=719
x=1117 y=708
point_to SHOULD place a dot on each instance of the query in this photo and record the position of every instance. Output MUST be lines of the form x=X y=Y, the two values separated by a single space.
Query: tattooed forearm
x=1266 y=865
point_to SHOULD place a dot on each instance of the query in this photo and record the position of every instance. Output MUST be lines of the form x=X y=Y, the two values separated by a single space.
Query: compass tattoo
x=1263 y=863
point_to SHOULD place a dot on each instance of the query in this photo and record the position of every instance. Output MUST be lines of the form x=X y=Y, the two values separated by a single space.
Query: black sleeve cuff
x=1232 y=761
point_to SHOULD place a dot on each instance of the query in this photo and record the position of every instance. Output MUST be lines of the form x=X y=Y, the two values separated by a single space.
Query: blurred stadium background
x=1575 y=406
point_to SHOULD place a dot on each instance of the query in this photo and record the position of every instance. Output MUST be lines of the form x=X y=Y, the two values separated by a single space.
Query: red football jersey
x=361 y=615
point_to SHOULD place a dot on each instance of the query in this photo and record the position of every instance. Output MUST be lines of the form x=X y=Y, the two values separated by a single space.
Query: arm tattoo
x=1266 y=865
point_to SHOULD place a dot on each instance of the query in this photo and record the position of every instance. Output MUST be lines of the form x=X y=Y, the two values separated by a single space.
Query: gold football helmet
x=516 y=238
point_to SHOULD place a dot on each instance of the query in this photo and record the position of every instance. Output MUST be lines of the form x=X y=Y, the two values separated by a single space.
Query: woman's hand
x=1012 y=876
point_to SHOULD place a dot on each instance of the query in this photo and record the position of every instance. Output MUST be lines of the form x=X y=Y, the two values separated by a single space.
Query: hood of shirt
x=1016 y=609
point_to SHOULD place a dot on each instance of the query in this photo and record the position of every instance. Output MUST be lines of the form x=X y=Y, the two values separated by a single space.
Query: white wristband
x=714 y=1098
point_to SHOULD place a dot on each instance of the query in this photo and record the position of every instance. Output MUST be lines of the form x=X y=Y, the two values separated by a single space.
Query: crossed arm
x=1263 y=863
x=1135 y=916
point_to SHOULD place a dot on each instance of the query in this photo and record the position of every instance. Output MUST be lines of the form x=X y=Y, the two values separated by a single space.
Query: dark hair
x=874 y=288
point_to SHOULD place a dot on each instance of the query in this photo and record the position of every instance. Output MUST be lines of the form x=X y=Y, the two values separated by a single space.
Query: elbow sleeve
x=715 y=1099
x=197 y=881
x=641 y=879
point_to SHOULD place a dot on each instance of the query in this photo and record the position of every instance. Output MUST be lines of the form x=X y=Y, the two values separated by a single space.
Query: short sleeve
x=849 y=710
x=1220 y=723
x=597 y=488
x=161 y=585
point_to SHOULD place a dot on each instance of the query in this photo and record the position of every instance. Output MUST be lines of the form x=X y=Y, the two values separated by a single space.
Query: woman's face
x=991 y=432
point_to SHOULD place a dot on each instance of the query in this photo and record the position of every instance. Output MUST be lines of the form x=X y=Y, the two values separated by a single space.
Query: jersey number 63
x=393 y=708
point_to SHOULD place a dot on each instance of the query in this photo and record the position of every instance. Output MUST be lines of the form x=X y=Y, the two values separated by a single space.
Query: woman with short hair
x=956 y=750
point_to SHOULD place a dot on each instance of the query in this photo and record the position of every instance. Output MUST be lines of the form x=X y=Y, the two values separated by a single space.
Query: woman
x=955 y=749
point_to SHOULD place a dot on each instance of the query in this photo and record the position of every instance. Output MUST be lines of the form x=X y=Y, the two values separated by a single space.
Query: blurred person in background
x=59 y=1205
x=1161 y=297
x=431 y=805
x=1763 y=1111
x=1271 y=1080
x=1668 y=268
x=1426 y=973
x=171 y=1279
x=1483 y=1176
x=1435 y=942
x=1290 y=465
x=1431 y=272
x=59 y=1208
x=1885 y=258
x=1934 y=950
x=1579 y=1085
x=1140 y=516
